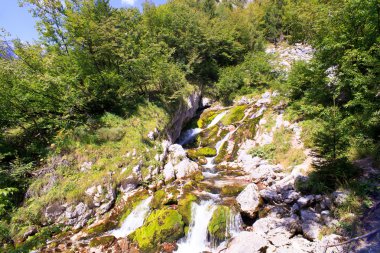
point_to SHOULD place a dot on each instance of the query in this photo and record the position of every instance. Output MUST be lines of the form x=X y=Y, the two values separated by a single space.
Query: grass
x=106 y=143
x=280 y=150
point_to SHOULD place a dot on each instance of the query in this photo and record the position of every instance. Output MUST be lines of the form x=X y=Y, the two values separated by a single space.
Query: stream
x=198 y=238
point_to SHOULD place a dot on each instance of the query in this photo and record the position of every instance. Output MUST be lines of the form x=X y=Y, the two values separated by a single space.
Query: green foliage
x=253 y=73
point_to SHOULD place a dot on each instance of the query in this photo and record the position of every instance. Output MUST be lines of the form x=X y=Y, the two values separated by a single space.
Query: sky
x=20 y=24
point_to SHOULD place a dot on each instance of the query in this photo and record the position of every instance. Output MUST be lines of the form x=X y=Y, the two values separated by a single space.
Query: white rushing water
x=134 y=220
x=217 y=119
x=196 y=239
x=189 y=135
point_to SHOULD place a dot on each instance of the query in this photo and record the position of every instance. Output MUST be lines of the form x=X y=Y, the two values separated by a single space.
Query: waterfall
x=217 y=119
x=235 y=224
x=188 y=135
x=134 y=220
x=220 y=143
x=196 y=239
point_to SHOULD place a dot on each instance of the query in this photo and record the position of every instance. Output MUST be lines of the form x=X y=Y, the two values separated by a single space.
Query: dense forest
x=92 y=59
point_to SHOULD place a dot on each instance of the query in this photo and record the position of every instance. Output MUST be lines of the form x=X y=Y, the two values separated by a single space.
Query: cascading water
x=217 y=119
x=188 y=135
x=196 y=239
x=134 y=220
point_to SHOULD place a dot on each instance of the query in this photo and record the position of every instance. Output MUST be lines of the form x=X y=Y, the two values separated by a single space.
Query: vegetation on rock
x=164 y=225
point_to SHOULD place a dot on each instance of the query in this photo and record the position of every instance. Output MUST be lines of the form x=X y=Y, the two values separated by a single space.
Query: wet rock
x=247 y=242
x=184 y=114
x=249 y=200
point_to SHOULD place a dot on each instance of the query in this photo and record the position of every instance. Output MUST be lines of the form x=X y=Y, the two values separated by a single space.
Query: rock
x=218 y=224
x=270 y=195
x=330 y=240
x=53 y=211
x=249 y=200
x=30 y=232
x=309 y=215
x=168 y=247
x=185 y=168
x=247 y=242
x=86 y=166
x=184 y=113
x=160 y=226
x=263 y=101
x=178 y=165
x=264 y=225
x=298 y=244
x=151 y=135
x=295 y=208
x=263 y=173
x=291 y=196
x=168 y=172
x=339 y=197
x=91 y=191
x=279 y=236
x=129 y=184
x=311 y=229
x=206 y=102
x=305 y=201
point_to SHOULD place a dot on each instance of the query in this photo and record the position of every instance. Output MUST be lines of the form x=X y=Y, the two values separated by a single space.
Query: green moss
x=184 y=207
x=197 y=176
x=196 y=154
x=165 y=225
x=206 y=118
x=222 y=153
x=234 y=115
x=218 y=224
x=104 y=241
x=100 y=228
x=231 y=190
x=158 y=199
x=131 y=204
x=206 y=151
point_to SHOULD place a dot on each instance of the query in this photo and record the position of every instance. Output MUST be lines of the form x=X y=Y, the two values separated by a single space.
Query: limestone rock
x=339 y=197
x=249 y=200
x=305 y=201
x=247 y=242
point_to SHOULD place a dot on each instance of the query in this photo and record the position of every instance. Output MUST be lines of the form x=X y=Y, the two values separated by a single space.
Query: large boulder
x=165 y=225
x=247 y=242
x=178 y=164
x=249 y=200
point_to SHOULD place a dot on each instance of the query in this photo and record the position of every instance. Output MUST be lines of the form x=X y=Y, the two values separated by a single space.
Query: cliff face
x=183 y=115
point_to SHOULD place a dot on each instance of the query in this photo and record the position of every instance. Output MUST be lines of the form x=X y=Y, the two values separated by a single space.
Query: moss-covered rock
x=234 y=115
x=184 y=207
x=158 y=199
x=231 y=190
x=105 y=241
x=217 y=226
x=198 y=154
x=222 y=153
x=206 y=118
x=164 y=225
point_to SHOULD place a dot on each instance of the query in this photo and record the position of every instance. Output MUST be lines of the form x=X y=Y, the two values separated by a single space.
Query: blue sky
x=20 y=24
